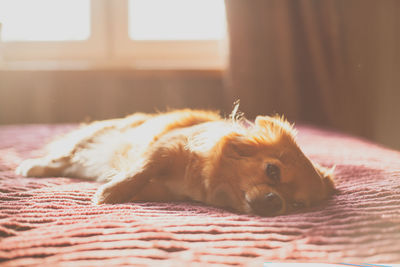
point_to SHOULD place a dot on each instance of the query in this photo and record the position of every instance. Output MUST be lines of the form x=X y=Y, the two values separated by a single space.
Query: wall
x=75 y=96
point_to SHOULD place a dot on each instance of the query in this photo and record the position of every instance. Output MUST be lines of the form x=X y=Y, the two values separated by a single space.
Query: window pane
x=45 y=20
x=176 y=19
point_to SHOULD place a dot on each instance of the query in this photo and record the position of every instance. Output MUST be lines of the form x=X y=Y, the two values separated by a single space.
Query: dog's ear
x=327 y=178
x=238 y=146
x=330 y=185
x=270 y=122
x=276 y=126
x=263 y=121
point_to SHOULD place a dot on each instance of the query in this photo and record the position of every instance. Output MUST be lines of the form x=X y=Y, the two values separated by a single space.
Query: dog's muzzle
x=267 y=205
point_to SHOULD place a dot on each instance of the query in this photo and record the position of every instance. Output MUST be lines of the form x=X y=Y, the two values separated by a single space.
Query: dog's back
x=98 y=149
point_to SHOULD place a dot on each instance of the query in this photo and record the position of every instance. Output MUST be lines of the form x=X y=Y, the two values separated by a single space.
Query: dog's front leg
x=127 y=184
x=165 y=162
x=124 y=185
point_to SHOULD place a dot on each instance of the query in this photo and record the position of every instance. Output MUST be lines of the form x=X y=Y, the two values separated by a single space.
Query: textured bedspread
x=51 y=221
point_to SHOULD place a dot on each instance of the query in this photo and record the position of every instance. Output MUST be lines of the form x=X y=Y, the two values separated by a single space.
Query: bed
x=51 y=221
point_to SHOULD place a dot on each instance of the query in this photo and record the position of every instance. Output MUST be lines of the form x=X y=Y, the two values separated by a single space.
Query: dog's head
x=260 y=169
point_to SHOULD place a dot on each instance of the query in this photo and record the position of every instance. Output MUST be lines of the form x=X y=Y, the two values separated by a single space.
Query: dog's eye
x=273 y=172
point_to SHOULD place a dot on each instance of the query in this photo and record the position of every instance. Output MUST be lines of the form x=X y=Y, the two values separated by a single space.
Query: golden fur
x=190 y=155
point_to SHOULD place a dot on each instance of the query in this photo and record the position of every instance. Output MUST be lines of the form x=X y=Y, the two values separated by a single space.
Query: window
x=192 y=20
x=26 y=20
x=137 y=33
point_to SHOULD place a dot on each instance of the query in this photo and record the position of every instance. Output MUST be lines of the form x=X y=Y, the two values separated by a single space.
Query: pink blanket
x=47 y=221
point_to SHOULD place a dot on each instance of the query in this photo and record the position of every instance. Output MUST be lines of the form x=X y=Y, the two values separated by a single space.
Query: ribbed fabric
x=51 y=221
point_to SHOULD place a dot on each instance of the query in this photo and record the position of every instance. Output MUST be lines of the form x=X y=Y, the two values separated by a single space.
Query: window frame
x=90 y=49
x=109 y=45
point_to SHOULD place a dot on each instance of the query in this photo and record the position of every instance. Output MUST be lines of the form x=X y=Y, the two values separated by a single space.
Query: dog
x=196 y=155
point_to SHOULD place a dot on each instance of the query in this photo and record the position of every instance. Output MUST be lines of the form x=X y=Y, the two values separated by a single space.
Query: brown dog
x=190 y=155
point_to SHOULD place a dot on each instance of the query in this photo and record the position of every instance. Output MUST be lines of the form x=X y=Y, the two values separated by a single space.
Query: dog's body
x=190 y=155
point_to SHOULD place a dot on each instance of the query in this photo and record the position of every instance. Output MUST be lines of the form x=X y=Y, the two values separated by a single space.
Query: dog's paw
x=122 y=188
x=109 y=194
x=31 y=168
x=99 y=197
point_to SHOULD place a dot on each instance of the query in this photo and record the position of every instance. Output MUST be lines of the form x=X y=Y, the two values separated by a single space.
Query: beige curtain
x=324 y=62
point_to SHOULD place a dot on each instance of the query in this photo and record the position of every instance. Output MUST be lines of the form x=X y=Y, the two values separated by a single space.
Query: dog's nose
x=266 y=205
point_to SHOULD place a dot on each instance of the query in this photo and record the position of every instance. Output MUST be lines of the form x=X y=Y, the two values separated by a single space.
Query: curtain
x=322 y=62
